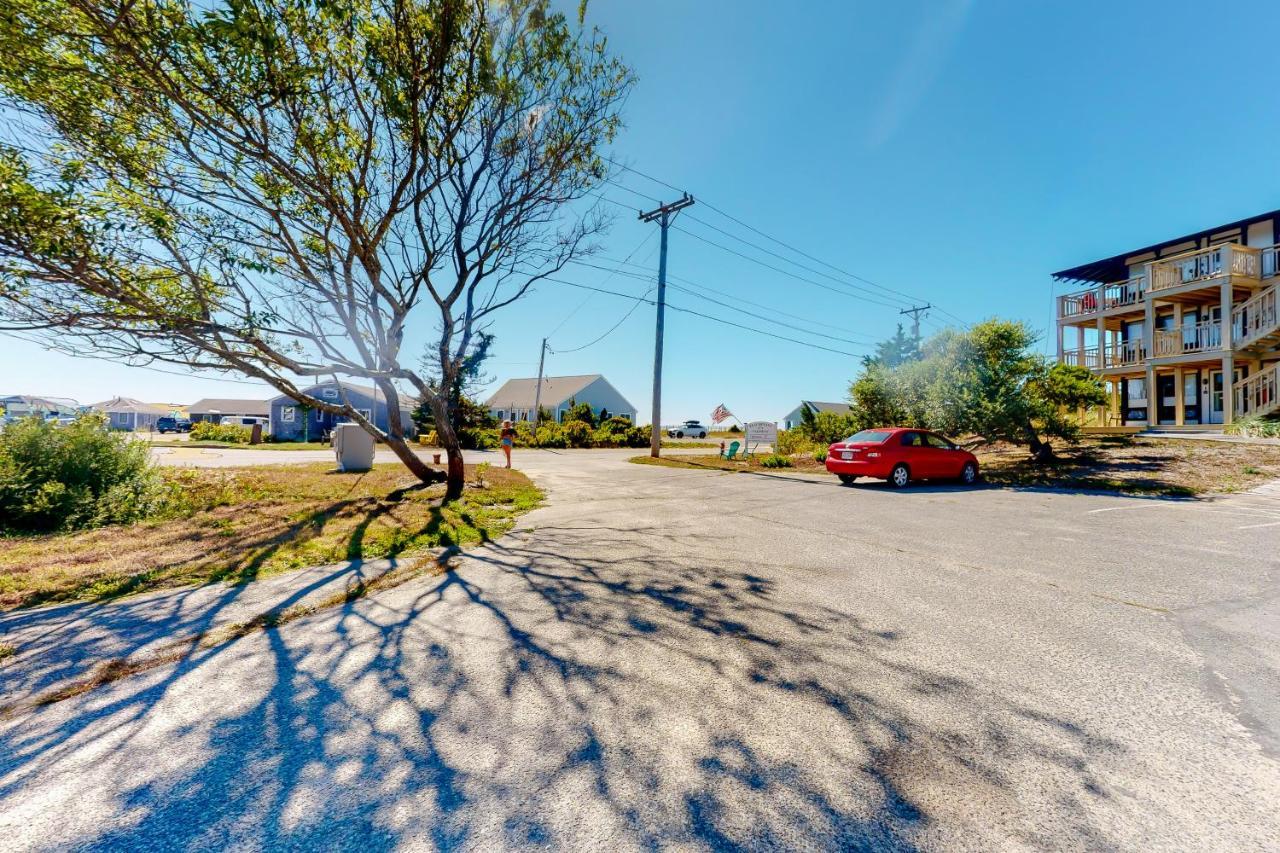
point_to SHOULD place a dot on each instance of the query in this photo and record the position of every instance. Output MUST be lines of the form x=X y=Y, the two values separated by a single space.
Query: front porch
x=1185 y=395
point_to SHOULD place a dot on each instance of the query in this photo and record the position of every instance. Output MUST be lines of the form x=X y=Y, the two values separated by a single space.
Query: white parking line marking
x=1252 y=526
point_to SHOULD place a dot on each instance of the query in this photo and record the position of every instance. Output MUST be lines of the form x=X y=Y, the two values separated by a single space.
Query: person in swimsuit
x=508 y=439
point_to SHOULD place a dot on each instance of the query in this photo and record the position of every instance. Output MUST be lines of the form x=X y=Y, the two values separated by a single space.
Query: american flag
x=720 y=414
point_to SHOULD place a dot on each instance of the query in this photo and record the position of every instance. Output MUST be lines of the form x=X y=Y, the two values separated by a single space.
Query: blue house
x=289 y=422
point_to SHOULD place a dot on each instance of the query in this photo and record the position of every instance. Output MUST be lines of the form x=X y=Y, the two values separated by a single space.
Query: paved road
x=712 y=661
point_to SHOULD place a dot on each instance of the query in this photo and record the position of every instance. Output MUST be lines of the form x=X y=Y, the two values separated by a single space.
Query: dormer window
x=329 y=393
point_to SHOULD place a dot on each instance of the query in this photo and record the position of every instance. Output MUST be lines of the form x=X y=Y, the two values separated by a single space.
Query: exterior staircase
x=1259 y=394
x=1256 y=323
x=1257 y=327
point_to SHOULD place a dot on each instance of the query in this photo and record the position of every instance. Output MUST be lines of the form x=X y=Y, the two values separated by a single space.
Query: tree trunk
x=448 y=437
x=411 y=460
x=1041 y=451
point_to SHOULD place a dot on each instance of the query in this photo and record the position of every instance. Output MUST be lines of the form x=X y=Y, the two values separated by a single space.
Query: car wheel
x=969 y=475
x=702 y=435
x=900 y=476
x=679 y=435
x=846 y=479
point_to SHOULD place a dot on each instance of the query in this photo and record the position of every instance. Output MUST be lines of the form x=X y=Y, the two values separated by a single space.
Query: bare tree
x=286 y=188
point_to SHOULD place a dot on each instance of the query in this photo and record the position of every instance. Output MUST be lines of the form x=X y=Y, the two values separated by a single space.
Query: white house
x=515 y=399
x=792 y=418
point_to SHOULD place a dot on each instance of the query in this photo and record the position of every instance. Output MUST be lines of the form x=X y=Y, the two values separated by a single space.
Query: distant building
x=514 y=401
x=1184 y=333
x=25 y=405
x=215 y=409
x=289 y=422
x=792 y=419
x=129 y=414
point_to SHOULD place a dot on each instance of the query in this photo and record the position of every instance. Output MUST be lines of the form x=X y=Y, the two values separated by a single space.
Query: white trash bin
x=353 y=447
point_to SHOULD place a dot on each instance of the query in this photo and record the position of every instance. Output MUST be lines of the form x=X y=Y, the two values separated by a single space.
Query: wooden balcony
x=1104 y=297
x=1193 y=338
x=1113 y=355
x=1205 y=265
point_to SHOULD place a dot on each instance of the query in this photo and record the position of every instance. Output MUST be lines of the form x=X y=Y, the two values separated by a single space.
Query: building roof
x=519 y=393
x=837 y=408
x=228 y=406
x=128 y=404
x=407 y=401
x=31 y=401
x=1115 y=268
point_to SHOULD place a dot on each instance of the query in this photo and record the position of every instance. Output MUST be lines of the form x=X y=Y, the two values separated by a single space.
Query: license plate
x=846 y=455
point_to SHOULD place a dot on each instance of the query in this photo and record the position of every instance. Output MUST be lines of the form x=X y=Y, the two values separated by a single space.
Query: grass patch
x=7 y=650
x=1137 y=465
x=238 y=524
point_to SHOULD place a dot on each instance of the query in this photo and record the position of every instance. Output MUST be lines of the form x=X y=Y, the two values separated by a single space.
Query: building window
x=366 y=414
x=329 y=393
x=287 y=414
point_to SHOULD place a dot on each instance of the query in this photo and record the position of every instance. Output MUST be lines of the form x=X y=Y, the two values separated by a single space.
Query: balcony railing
x=1087 y=357
x=1270 y=261
x=1102 y=297
x=1125 y=353
x=1200 y=337
x=1205 y=264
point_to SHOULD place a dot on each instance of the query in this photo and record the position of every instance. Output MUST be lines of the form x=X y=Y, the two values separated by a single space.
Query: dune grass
x=238 y=524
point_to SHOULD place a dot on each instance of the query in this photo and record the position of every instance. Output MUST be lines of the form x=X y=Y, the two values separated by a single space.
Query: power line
x=770 y=237
x=722 y=247
x=766 y=319
x=705 y=317
x=702 y=287
x=737 y=298
x=583 y=303
x=639 y=301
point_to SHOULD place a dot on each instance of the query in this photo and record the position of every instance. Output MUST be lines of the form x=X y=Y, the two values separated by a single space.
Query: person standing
x=508 y=436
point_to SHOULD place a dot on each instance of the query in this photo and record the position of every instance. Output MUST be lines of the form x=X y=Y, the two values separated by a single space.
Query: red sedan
x=900 y=456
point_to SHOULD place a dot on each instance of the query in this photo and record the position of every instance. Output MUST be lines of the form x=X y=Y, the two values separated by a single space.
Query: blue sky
x=957 y=151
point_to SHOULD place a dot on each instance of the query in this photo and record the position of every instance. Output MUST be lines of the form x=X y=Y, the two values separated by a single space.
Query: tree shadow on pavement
x=572 y=687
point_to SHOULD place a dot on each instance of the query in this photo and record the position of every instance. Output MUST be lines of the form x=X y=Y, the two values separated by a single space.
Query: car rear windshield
x=870 y=436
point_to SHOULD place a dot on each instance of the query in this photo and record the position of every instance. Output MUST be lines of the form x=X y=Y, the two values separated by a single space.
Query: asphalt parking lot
x=666 y=657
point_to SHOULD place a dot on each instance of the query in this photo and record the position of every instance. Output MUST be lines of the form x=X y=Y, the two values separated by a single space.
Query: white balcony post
x=1179 y=398
x=1228 y=362
x=1060 y=347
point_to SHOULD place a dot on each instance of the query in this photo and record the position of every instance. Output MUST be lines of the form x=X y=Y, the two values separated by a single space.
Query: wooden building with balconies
x=1185 y=333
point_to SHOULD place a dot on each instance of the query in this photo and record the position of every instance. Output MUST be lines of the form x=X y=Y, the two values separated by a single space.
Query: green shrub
x=820 y=456
x=639 y=436
x=551 y=435
x=775 y=460
x=74 y=476
x=577 y=433
x=477 y=438
x=209 y=431
x=580 y=412
x=793 y=441
x=1255 y=427
x=734 y=428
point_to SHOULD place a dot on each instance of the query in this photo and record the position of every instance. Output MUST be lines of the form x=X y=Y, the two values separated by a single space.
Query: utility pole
x=915 y=320
x=663 y=215
x=537 y=389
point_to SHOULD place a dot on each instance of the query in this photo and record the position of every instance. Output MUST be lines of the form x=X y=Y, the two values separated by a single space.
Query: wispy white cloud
x=919 y=67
